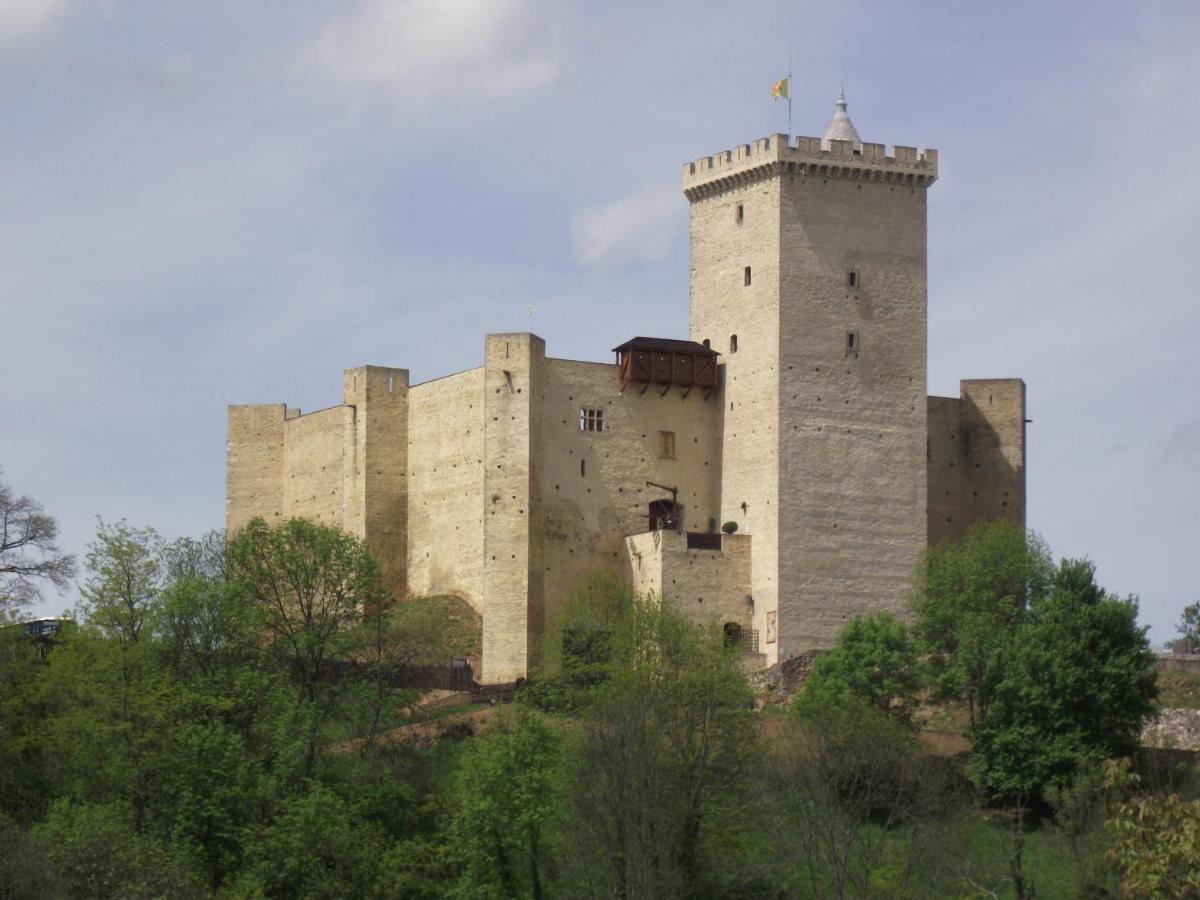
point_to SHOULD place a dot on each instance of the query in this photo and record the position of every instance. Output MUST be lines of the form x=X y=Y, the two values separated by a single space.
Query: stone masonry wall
x=254 y=464
x=730 y=231
x=512 y=574
x=375 y=468
x=976 y=457
x=993 y=421
x=312 y=466
x=592 y=484
x=709 y=585
x=853 y=406
x=445 y=493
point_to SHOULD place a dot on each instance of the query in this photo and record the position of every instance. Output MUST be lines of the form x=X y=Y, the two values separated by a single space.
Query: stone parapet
x=774 y=155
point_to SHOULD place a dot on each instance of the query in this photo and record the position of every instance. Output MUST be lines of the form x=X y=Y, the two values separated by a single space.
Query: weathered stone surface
x=1174 y=729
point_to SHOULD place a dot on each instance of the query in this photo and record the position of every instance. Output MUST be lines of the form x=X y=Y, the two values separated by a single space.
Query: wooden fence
x=455 y=676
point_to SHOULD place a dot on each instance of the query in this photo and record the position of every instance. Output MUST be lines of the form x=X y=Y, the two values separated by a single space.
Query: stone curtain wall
x=445 y=498
x=254 y=464
x=976 y=457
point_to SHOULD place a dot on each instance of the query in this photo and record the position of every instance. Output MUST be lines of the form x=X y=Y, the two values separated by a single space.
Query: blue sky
x=221 y=202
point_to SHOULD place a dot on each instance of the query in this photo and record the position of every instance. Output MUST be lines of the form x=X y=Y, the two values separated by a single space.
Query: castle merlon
x=774 y=155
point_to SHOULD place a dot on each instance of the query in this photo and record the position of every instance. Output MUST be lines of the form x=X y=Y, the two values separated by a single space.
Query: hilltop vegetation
x=212 y=726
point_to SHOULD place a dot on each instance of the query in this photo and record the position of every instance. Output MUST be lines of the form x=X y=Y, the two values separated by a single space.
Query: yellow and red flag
x=780 y=89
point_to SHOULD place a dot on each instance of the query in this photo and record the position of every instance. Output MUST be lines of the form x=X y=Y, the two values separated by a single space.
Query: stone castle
x=796 y=409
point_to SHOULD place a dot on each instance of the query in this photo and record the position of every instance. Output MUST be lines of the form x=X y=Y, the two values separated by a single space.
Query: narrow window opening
x=391 y=384
x=733 y=343
x=506 y=347
x=591 y=419
x=706 y=343
x=583 y=468
x=740 y=216
x=746 y=277
x=852 y=345
x=666 y=445
x=852 y=279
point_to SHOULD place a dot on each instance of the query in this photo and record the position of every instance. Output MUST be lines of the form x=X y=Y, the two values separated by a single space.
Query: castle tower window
x=583 y=468
x=746 y=277
x=666 y=445
x=852 y=344
x=591 y=419
x=852 y=279
x=733 y=343
x=740 y=215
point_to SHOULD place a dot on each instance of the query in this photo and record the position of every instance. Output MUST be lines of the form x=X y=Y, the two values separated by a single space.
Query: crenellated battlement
x=774 y=155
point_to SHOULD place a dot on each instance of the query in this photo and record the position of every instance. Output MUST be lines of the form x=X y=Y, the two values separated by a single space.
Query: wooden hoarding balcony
x=666 y=362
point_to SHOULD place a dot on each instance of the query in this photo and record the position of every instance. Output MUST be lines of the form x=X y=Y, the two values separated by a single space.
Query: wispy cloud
x=21 y=20
x=638 y=228
x=419 y=52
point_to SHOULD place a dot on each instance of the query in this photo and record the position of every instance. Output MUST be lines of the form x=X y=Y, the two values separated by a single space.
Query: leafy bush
x=873 y=660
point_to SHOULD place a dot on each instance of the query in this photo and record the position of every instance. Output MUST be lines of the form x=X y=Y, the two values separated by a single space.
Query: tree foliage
x=312 y=584
x=873 y=660
x=1157 y=848
x=124 y=576
x=1189 y=625
x=219 y=724
x=842 y=777
x=1076 y=688
x=663 y=750
x=506 y=796
x=969 y=599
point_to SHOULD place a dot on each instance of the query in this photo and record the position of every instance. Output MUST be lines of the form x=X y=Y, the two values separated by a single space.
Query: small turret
x=841 y=128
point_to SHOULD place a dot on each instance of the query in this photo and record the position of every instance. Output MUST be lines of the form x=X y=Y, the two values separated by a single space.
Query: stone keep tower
x=808 y=275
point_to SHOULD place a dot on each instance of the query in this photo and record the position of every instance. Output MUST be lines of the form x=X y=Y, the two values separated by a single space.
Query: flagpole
x=789 y=84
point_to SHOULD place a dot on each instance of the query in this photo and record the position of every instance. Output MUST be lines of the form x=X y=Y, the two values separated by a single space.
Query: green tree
x=124 y=566
x=25 y=780
x=109 y=710
x=505 y=798
x=841 y=778
x=29 y=552
x=1076 y=688
x=969 y=599
x=111 y=699
x=1157 y=847
x=1189 y=625
x=94 y=849
x=662 y=757
x=311 y=584
x=205 y=625
x=874 y=660
x=314 y=846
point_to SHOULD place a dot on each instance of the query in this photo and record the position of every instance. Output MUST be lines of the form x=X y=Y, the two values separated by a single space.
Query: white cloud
x=638 y=228
x=421 y=51
x=21 y=20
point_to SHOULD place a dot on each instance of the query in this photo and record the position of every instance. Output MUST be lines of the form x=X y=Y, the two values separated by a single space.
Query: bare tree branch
x=29 y=551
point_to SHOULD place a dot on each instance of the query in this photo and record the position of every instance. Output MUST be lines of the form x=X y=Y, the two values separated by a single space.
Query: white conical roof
x=841 y=128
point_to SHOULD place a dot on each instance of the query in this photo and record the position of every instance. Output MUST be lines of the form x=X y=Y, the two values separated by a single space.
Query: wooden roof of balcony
x=667 y=362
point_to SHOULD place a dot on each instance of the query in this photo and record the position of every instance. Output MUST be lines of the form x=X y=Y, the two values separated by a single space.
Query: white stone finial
x=841 y=128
